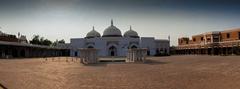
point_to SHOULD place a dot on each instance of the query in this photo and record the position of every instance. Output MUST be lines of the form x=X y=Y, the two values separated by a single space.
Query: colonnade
x=219 y=49
x=136 y=55
x=12 y=51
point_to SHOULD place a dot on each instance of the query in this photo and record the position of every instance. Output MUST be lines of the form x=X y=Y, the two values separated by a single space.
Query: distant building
x=8 y=37
x=13 y=47
x=214 y=43
x=12 y=38
x=113 y=43
x=23 y=39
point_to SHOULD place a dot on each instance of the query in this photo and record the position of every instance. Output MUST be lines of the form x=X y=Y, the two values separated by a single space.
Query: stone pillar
x=135 y=55
x=221 y=50
x=88 y=55
x=238 y=50
x=232 y=49
x=212 y=51
x=227 y=50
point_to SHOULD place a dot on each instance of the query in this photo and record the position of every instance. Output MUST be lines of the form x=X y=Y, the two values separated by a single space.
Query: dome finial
x=111 y=22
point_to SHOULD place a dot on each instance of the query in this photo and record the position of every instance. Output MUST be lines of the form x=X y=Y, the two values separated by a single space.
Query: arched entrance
x=148 y=52
x=75 y=53
x=133 y=47
x=22 y=53
x=90 y=47
x=112 y=51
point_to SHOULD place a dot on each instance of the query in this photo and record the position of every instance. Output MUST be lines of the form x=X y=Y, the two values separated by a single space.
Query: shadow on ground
x=155 y=62
x=2 y=87
x=97 y=65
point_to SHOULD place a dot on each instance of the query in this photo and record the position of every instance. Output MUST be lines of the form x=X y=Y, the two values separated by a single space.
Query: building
x=113 y=43
x=13 y=47
x=12 y=38
x=213 y=43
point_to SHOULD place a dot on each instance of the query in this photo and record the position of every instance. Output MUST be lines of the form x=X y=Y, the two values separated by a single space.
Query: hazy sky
x=65 y=19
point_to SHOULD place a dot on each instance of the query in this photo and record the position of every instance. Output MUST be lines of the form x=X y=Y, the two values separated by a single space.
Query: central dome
x=112 y=31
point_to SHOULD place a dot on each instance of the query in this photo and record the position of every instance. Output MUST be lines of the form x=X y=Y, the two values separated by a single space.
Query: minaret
x=93 y=28
x=130 y=27
x=111 y=22
x=169 y=37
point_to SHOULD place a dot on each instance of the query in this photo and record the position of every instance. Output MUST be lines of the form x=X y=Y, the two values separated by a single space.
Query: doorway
x=112 y=51
x=239 y=35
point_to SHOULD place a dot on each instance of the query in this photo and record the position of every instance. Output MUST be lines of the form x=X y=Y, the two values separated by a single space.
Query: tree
x=35 y=39
x=55 y=42
x=46 y=42
x=58 y=42
x=61 y=41
x=40 y=41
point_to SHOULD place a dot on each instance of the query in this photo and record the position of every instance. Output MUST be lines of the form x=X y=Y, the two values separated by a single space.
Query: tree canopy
x=58 y=42
x=36 y=39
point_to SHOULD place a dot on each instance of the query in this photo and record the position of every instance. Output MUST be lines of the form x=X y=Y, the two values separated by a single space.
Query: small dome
x=93 y=34
x=131 y=33
x=112 y=31
x=23 y=39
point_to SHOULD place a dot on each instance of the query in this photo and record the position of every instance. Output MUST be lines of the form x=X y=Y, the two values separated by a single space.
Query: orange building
x=212 y=43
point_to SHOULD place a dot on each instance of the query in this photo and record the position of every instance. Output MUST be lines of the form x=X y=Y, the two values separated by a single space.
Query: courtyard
x=172 y=72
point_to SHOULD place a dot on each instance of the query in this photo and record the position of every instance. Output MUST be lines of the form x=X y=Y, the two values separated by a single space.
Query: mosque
x=113 y=43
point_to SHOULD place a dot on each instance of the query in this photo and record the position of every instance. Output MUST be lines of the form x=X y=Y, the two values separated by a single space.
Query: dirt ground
x=174 y=72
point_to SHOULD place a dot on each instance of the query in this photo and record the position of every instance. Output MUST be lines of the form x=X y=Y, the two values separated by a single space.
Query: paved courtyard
x=174 y=72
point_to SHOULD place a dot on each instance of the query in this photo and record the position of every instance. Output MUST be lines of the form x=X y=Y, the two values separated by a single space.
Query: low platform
x=112 y=59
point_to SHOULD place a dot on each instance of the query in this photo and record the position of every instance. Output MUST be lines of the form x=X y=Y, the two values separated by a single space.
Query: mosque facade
x=113 y=43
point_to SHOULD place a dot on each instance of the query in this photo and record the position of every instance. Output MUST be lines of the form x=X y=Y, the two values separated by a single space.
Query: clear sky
x=65 y=19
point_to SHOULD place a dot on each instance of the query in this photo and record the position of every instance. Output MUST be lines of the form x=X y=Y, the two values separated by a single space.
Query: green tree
x=35 y=39
x=61 y=41
x=40 y=41
x=57 y=42
x=46 y=42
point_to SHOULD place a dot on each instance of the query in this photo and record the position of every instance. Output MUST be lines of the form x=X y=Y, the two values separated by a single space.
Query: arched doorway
x=133 y=47
x=148 y=52
x=90 y=47
x=157 y=52
x=22 y=53
x=75 y=53
x=112 y=51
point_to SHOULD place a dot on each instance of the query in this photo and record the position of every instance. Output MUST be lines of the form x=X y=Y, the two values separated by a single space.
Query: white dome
x=93 y=34
x=131 y=33
x=112 y=31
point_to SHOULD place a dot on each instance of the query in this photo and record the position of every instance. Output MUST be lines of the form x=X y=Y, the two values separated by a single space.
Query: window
x=228 y=35
x=194 y=39
x=239 y=35
x=208 y=39
x=76 y=53
x=201 y=38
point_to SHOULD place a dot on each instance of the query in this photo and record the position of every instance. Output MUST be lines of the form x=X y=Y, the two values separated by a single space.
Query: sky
x=66 y=19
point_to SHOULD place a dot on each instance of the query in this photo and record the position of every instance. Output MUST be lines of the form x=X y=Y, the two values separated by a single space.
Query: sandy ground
x=174 y=72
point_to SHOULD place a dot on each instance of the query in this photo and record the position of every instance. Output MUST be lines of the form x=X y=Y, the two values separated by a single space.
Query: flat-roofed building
x=13 y=47
x=213 y=43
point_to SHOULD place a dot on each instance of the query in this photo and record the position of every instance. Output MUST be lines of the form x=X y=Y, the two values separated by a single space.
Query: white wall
x=122 y=47
x=76 y=43
x=148 y=42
